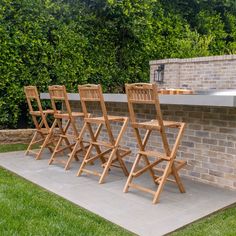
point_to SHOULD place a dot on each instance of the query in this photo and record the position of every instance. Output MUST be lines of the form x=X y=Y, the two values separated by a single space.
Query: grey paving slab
x=134 y=210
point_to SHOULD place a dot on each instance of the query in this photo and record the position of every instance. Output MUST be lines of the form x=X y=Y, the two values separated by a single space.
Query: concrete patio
x=134 y=210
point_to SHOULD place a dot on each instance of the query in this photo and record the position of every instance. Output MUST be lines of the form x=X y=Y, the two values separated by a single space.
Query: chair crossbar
x=125 y=152
x=101 y=143
x=38 y=141
x=143 y=189
x=98 y=155
x=114 y=165
x=33 y=152
x=92 y=172
x=144 y=169
x=154 y=154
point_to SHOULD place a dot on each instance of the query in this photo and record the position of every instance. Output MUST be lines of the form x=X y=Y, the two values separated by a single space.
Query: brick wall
x=209 y=143
x=215 y=72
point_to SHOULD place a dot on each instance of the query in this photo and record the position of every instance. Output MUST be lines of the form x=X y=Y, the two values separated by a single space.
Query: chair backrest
x=143 y=93
x=58 y=94
x=35 y=106
x=92 y=93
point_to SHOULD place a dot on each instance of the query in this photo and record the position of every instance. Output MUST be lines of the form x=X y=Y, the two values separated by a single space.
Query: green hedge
x=110 y=42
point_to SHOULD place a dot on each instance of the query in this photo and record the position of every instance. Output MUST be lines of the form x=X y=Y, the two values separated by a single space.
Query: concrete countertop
x=193 y=100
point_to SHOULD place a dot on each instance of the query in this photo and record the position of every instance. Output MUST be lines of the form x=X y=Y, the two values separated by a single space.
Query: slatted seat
x=43 y=132
x=108 y=151
x=38 y=113
x=147 y=94
x=102 y=119
x=64 y=115
x=67 y=116
x=154 y=124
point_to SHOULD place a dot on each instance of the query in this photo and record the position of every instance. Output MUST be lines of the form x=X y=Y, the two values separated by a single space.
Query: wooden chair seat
x=101 y=119
x=63 y=115
x=154 y=124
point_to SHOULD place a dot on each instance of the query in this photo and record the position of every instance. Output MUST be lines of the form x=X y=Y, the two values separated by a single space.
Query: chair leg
x=45 y=142
x=67 y=142
x=94 y=137
x=162 y=182
x=107 y=167
x=84 y=161
x=78 y=143
x=119 y=137
x=38 y=156
x=151 y=171
x=63 y=131
x=47 y=139
x=31 y=142
x=72 y=154
x=142 y=144
x=177 y=179
x=122 y=164
x=55 y=151
x=130 y=178
x=169 y=167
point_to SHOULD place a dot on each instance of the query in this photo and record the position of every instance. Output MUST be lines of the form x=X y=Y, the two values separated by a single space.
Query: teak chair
x=147 y=94
x=43 y=133
x=93 y=93
x=63 y=113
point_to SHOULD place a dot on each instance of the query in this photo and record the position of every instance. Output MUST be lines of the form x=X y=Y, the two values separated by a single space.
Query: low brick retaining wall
x=16 y=136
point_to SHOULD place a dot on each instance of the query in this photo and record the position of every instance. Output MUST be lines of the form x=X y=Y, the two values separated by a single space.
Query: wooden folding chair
x=93 y=93
x=65 y=119
x=147 y=94
x=43 y=133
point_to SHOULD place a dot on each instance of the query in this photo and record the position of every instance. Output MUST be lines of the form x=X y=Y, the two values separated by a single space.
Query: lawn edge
x=202 y=218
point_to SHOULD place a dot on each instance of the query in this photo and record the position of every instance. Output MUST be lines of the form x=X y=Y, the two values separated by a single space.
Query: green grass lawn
x=13 y=147
x=222 y=223
x=26 y=209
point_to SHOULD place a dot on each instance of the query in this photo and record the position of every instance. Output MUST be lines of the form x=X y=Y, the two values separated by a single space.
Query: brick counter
x=208 y=145
x=209 y=142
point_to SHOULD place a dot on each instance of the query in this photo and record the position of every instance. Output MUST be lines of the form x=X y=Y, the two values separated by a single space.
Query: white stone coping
x=193 y=100
x=192 y=60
